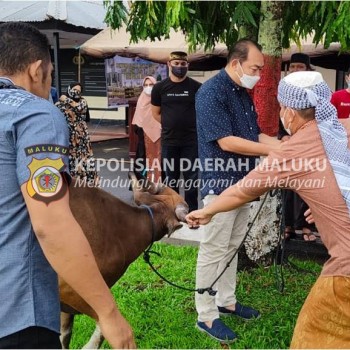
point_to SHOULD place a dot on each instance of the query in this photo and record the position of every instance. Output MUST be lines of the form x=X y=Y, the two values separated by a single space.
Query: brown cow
x=118 y=233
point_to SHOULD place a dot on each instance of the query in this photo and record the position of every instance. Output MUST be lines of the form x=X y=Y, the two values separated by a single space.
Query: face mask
x=179 y=72
x=74 y=94
x=147 y=90
x=348 y=84
x=282 y=120
x=248 y=81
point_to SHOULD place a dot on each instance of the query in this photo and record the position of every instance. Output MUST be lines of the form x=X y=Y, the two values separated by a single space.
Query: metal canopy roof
x=109 y=42
x=75 y=21
x=67 y=24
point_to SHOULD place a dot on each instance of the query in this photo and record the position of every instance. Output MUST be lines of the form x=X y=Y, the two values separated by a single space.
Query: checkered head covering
x=301 y=90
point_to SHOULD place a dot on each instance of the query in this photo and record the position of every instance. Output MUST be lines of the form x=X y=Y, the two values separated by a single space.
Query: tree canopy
x=209 y=22
x=274 y=24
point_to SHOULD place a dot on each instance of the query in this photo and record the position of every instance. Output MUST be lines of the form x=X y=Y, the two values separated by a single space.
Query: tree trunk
x=264 y=235
x=265 y=92
x=249 y=32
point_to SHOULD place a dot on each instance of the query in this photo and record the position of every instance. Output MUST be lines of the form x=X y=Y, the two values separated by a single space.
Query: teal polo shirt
x=28 y=285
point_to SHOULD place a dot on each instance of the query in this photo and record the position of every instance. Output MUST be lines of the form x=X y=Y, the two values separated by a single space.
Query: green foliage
x=203 y=22
x=290 y=15
x=209 y=22
x=164 y=317
x=116 y=12
x=317 y=18
x=324 y=21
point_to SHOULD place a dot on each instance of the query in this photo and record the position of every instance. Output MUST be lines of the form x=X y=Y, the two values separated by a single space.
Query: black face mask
x=74 y=94
x=180 y=71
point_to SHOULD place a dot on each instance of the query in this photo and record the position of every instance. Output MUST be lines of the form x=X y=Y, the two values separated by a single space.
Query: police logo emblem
x=46 y=182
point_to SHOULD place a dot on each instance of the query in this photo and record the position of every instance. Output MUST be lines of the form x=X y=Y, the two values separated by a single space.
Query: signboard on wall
x=124 y=77
x=92 y=74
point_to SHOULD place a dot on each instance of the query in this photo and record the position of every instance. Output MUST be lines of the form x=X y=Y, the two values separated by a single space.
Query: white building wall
x=101 y=102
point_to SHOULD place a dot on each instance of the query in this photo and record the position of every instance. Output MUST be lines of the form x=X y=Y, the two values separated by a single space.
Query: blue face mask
x=348 y=84
x=179 y=71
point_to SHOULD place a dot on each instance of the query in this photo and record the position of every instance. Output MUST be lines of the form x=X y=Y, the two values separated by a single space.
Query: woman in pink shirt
x=151 y=130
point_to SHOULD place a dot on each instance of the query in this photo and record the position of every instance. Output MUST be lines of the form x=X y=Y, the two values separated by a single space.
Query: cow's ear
x=160 y=188
x=147 y=186
x=143 y=197
x=142 y=185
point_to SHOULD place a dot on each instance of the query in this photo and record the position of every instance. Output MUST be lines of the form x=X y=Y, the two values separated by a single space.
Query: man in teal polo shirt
x=38 y=234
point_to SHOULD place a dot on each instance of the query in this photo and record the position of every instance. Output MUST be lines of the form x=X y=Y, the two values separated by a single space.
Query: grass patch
x=164 y=317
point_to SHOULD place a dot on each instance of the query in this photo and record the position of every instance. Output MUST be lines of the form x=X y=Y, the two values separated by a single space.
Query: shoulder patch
x=46 y=182
x=46 y=148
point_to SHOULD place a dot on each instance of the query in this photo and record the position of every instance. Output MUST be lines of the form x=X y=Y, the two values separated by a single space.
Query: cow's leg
x=96 y=339
x=66 y=329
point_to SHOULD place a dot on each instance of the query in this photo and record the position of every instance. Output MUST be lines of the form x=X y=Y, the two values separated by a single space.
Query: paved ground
x=104 y=132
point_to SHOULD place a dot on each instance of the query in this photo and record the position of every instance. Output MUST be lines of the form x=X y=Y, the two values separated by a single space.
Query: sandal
x=309 y=237
x=289 y=233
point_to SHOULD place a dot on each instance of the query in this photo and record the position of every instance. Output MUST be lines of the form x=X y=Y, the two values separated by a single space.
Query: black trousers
x=31 y=338
x=140 y=155
x=293 y=210
x=172 y=159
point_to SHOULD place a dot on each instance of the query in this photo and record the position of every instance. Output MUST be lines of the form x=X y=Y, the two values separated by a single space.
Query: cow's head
x=149 y=193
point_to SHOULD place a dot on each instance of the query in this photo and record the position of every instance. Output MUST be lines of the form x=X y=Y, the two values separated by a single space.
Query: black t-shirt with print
x=178 y=115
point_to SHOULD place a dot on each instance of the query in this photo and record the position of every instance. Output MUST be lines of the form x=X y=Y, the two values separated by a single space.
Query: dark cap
x=300 y=58
x=178 y=55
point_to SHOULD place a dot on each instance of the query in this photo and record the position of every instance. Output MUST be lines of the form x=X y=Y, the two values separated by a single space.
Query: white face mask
x=289 y=132
x=248 y=81
x=147 y=90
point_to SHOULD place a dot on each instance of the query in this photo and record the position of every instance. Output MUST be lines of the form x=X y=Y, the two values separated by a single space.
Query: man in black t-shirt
x=173 y=105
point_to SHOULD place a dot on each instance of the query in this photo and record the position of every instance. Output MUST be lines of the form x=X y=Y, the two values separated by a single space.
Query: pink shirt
x=302 y=166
